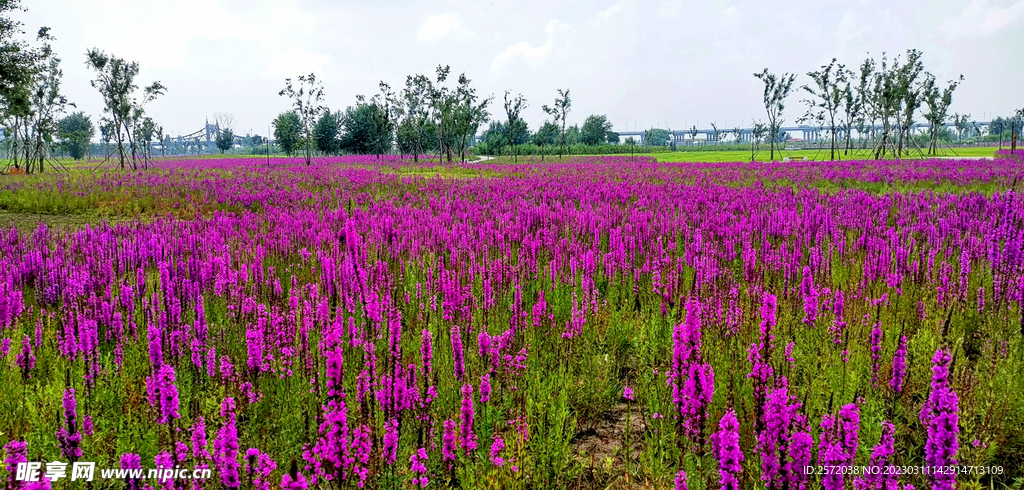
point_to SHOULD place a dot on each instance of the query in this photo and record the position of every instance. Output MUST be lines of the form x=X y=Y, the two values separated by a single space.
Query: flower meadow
x=590 y=323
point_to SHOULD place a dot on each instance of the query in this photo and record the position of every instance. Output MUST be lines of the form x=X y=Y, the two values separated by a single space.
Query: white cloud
x=443 y=25
x=980 y=19
x=295 y=62
x=535 y=56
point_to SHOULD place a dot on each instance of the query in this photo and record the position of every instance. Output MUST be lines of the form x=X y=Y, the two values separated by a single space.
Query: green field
x=762 y=156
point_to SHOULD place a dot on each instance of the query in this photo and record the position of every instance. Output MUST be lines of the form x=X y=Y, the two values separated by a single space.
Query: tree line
x=33 y=111
x=429 y=114
x=881 y=100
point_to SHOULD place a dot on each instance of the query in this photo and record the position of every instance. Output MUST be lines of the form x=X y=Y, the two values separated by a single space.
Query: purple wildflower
x=466 y=426
x=457 y=354
x=940 y=416
x=167 y=393
x=68 y=435
x=418 y=467
x=485 y=387
x=225 y=446
x=390 y=449
x=899 y=365
x=627 y=393
x=726 y=445
x=681 y=483
x=496 y=448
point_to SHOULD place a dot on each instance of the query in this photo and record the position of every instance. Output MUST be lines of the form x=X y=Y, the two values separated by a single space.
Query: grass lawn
x=744 y=156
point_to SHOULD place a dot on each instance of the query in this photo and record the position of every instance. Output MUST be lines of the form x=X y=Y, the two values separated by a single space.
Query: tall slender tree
x=115 y=80
x=776 y=89
x=514 y=127
x=559 y=112
x=826 y=98
x=307 y=97
x=938 y=102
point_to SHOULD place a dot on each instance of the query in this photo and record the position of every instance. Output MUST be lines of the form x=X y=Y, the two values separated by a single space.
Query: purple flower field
x=591 y=323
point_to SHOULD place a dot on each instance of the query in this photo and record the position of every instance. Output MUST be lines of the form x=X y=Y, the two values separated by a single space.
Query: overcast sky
x=665 y=63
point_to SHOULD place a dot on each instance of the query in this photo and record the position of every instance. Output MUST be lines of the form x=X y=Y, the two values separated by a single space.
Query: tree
x=414 y=127
x=895 y=96
x=826 y=97
x=288 y=131
x=40 y=127
x=146 y=132
x=938 y=103
x=327 y=133
x=515 y=128
x=75 y=132
x=495 y=137
x=18 y=68
x=1016 y=127
x=361 y=132
x=457 y=113
x=759 y=131
x=595 y=130
x=715 y=133
x=559 y=112
x=384 y=119
x=853 y=109
x=656 y=137
x=960 y=122
x=865 y=101
x=546 y=135
x=776 y=90
x=115 y=80
x=225 y=140
x=306 y=99
x=611 y=137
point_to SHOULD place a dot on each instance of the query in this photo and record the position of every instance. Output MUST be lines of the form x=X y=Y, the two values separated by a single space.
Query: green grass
x=715 y=156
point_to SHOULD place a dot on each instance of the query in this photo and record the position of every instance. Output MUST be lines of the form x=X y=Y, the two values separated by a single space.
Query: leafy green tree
x=496 y=138
x=515 y=128
x=961 y=123
x=573 y=135
x=115 y=80
x=938 y=103
x=146 y=132
x=225 y=140
x=75 y=132
x=656 y=137
x=31 y=107
x=361 y=131
x=306 y=99
x=611 y=137
x=457 y=113
x=776 y=90
x=18 y=68
x=547 y=135
x=997 y=126
x=559 y=112
x=853 y=108
x=327 y=133
x=596 y=129
x=412 y=132
x=757 y=134
x=384 y=117
x=288 y=132
x=826 y=98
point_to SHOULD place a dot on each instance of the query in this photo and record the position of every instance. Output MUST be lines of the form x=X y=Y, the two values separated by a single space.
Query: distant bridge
x=808 y=132
x=206 y=136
